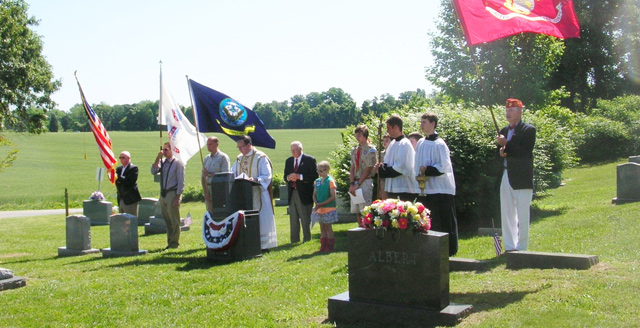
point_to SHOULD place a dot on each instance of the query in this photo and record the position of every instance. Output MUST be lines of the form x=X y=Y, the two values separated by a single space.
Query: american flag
x=497 y=244
x=102 y=138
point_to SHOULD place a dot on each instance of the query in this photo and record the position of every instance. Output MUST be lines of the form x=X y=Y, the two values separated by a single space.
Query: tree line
x=333 y=108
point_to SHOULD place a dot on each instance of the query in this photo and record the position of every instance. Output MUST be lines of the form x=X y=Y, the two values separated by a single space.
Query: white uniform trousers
x=515 y=210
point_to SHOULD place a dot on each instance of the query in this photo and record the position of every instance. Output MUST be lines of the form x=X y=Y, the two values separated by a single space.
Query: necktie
x=295 y=169
x=358 y=159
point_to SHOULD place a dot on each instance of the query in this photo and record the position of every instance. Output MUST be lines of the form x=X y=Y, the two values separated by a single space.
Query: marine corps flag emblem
x=217 y=112
x=489 y=20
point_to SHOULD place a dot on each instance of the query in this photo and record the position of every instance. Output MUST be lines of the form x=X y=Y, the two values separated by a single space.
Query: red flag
x=102 y=138
x=489 y=20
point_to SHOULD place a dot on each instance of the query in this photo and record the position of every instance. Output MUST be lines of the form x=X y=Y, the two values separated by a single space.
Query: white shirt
x=436 y=154
x=400 y=156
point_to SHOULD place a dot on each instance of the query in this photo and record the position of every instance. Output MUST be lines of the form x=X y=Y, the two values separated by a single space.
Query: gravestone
x=344 y=210
x=146 y=209
x=634 y=159
x=98 y=211
x=78 y=237
x=9 y=281
x=396 y=279
x=284 y=196
x=628 y=183
x=541 y=260
x=123 y=236
x=157 y=225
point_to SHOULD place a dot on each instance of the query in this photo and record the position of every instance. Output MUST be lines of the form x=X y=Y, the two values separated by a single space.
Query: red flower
x=421 y=208
x=385 y=223
x=403 y=223
x=401 y=209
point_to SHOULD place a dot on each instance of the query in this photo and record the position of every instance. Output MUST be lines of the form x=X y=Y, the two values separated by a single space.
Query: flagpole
x=195 y=121
x=160 y=106
x=475 y=64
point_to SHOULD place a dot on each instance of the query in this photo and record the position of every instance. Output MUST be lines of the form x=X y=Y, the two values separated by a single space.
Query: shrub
x=601 y=139
x=193 y=194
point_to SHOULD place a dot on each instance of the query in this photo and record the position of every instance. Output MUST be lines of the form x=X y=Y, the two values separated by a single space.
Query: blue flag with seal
x=217 y=112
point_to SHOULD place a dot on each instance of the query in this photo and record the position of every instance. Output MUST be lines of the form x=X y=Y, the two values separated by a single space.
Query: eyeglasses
x=165 y=149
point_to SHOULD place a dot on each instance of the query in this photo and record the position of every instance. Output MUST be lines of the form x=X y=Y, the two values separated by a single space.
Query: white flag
x=182 y=135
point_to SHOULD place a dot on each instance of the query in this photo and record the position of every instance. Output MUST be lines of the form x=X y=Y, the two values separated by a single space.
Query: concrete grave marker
x=9 y=281
x=98 y=211
x=123 y=233
x=628 y=182
x=78 y=228
x=146 y=209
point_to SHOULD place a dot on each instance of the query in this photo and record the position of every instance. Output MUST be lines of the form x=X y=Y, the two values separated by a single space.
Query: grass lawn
x=51 y=162
x=289 y=286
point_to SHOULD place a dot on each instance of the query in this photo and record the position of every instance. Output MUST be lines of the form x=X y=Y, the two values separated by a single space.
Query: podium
x=237 y=195
x=220 y=190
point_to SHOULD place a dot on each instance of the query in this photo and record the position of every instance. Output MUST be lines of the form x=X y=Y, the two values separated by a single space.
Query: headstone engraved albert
x=400 y=278
x=628 y=183
x=146 y=209
x=98 y=211
x=123 y=236
x=78 y=237
x=9 y=281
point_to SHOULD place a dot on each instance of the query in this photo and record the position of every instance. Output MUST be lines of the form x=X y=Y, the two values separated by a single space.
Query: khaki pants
x=171 y=215
x=129 y=209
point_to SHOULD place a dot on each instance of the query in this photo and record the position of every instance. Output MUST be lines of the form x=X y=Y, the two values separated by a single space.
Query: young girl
x=324 y=195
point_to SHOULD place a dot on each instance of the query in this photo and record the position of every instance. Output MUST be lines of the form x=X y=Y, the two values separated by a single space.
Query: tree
x=519 y=66
x=26 y=79
x=53 y=123
x=600 y=63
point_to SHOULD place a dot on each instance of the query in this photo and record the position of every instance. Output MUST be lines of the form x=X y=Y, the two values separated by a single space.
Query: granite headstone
x=395 y=279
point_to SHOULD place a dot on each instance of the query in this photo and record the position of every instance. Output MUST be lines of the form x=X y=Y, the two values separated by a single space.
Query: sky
x=253 y=51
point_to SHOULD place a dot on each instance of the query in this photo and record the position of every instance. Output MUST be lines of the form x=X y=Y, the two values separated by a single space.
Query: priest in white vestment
x=257 y=167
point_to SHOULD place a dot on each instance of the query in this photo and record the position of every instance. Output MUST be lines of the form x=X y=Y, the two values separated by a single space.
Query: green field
x=51 y=162
x=289 y=286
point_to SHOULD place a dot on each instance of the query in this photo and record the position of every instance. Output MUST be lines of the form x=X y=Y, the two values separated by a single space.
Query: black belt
x=164 y=192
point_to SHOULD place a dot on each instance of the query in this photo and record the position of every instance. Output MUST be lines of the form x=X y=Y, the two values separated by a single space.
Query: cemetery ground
x=289 y=286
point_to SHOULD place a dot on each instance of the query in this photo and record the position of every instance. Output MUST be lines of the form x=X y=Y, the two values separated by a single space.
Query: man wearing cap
x=516 y=143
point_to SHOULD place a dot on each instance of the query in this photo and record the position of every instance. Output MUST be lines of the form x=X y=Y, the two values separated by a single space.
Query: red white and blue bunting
x=220 y=235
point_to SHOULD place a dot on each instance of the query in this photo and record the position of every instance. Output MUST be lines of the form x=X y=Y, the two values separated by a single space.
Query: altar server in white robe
x=397 y=169
x=257 y=166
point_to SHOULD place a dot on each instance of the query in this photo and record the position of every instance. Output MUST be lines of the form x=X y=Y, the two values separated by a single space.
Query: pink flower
x=403 y=223
x=420 y=207
x=388 y=207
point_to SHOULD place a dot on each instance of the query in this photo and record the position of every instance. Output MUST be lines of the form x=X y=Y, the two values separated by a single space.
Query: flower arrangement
x=396 y=214
x=97 y=196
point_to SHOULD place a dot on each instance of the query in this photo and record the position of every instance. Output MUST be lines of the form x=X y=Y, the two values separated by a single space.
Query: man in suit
x=127 y=185
x=516 y=188
x=300 y=171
